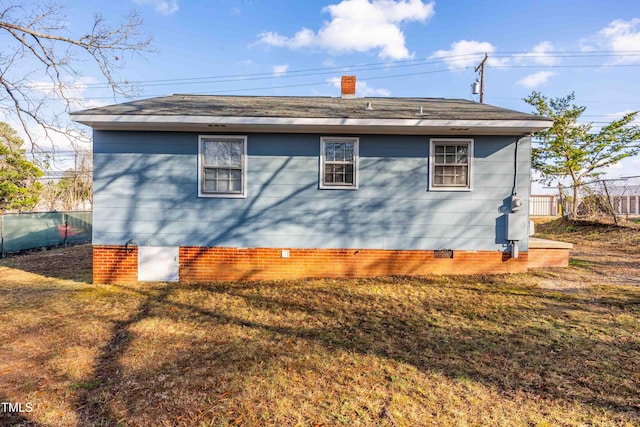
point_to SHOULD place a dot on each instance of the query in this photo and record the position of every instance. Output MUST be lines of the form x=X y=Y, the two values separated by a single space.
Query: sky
x=404 y=48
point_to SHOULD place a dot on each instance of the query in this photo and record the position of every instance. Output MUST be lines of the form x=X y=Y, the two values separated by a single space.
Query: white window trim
x=432 y=160
x=243 y=193
x=356 y=174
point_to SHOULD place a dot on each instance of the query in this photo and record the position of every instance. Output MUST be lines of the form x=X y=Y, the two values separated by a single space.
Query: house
x=198 y=188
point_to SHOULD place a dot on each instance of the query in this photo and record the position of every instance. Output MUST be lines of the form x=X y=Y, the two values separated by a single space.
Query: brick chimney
x=348 y=86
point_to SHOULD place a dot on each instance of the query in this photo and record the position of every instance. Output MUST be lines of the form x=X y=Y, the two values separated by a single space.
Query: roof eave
x=311 y=125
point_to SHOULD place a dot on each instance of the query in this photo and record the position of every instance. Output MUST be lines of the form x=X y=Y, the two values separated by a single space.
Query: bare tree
x=49 y=195
x=74 y=187
x=40 y=63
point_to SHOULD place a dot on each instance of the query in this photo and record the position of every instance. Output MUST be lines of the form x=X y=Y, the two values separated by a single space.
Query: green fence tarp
x=25 y=231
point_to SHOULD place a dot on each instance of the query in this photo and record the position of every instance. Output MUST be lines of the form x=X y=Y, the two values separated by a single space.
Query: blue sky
x=395 y=48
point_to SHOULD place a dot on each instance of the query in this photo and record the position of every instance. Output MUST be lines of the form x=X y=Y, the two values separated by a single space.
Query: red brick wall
x=204 y=264
x=115 y=264
x=548 y=257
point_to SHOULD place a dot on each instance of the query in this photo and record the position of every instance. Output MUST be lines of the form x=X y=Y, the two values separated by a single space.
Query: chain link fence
x=605 y=198
x=24 y=231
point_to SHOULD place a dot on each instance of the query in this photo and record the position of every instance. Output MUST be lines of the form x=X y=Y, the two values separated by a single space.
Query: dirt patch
x=71 y=263
x=602 y=253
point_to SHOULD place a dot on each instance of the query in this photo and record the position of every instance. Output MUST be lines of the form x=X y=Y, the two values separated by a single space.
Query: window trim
x=432 y=163
x=243 y=164
x=356 y=143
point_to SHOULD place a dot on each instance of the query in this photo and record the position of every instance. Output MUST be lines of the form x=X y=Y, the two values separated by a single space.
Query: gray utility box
x=517 y=226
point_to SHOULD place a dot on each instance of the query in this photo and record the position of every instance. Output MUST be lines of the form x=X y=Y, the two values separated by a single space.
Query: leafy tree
x=19 y=185
x=576 y=151
x=40 y=60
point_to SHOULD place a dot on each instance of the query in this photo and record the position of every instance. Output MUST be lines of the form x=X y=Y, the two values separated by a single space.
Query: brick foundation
x=548 y=257
x=114 y=264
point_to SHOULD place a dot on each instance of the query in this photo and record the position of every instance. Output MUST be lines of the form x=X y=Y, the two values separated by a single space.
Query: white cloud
x=362 y=88
x=304 y=37
x=59 y=143
x=619 y=36
x=540 y=54
x=621 y=114
x=365 y=90
x=360 y=26
x=164 y=7
x=75 y=91
x=536 y=79
x=623 y=36
x=280 y=70
x=627 y=167
x=467 y=53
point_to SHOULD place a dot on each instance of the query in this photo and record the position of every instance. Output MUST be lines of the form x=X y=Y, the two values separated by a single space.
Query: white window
x=451 y=163
x=339 y=162
x=222 y=162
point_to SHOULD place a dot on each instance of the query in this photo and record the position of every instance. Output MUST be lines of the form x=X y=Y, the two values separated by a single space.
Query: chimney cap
x=348 y=86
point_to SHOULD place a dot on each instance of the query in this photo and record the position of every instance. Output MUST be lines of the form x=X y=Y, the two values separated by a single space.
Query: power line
x=369 y=66
x=317 y=83
x=567 y=66
x=363 y=68
x=374 y=66
x=321 y=83
x=289 y=73
x=581 y=101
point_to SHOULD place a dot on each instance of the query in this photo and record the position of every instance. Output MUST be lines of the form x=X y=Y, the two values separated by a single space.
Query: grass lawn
x=546 y=348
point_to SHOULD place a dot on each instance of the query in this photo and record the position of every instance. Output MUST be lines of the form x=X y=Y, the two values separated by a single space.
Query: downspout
x=514 y=189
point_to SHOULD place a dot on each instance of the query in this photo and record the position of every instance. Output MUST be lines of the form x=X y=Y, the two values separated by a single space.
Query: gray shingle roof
x=311 y=107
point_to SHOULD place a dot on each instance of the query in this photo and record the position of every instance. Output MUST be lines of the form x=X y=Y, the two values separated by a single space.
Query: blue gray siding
x=145 y=189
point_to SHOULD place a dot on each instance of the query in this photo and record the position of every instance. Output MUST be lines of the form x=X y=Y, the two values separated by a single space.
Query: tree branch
x=36 y=36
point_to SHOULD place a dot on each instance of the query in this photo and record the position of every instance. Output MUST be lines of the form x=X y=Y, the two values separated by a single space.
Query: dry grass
x=603 y=253
x=480 y=350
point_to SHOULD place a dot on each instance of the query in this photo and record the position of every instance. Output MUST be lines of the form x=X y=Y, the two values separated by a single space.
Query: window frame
x=323 y=162
x=433 y=142
x=243 y=166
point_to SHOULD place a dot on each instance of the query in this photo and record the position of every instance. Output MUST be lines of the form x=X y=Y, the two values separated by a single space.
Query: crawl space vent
x=443 y=253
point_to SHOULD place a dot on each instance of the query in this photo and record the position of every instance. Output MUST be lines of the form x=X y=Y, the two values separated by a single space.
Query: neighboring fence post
x=66 y=228
x=613 y=212
x=561 y=206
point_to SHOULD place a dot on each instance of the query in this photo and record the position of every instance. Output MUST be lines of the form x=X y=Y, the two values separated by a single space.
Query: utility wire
x=373 y=66
x=229 y=78
x=567 y=66
x=322 y=83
